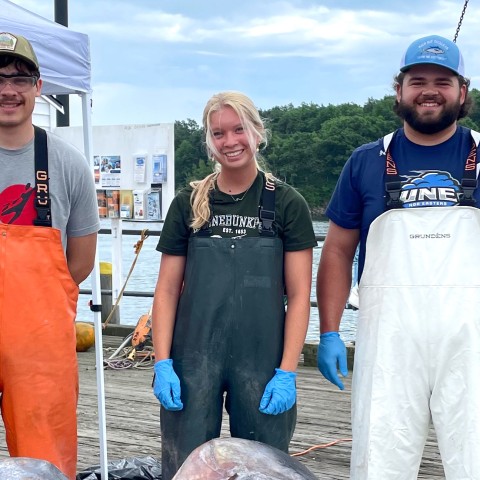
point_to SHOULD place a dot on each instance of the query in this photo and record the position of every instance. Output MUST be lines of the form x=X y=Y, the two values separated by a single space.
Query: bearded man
x=410 y=200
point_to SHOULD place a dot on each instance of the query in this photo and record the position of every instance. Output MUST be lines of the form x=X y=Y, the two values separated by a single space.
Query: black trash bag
x=147 y=468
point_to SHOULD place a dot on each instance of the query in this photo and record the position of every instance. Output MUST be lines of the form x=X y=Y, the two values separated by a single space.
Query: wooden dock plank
x=132 y=416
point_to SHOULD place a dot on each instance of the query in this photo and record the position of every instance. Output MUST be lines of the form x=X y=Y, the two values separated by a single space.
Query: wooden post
x=106 y=284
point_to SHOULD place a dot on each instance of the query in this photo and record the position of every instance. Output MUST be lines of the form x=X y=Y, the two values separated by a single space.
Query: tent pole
x=96 y=298
x=61 y=17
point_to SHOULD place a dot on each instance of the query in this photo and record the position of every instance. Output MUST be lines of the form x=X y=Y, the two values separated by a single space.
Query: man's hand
x=331 y=357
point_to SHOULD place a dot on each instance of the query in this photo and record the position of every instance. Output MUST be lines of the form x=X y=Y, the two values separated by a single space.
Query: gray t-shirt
x=71 y=186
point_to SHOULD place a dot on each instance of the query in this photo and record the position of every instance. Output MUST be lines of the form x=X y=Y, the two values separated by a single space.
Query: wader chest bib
x=418 y=344
x=228 y=338
x=417 y=352
x=38 y=363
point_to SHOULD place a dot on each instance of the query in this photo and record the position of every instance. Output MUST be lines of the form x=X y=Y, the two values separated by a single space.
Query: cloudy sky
x=160 y=60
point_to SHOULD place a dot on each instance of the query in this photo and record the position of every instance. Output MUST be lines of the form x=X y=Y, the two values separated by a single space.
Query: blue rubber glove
x=166 y=385
x=280 y=393
x=332 y=353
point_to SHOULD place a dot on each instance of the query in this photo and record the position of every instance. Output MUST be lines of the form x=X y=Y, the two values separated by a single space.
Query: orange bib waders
x=38 y=363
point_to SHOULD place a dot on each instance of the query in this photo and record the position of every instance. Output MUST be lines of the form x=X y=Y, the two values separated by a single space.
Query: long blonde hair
x=256 y=133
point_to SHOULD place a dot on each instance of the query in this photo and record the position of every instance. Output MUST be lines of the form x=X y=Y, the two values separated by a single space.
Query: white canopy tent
x=64 y=58
x=63 y=55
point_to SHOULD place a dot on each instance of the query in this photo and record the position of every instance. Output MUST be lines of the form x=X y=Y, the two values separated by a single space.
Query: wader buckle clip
x=393 y=190
x=44 y=218
x=469 y=186
x=267 y=217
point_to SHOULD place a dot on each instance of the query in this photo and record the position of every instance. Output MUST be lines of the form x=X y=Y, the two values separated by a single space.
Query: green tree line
x=309 y=144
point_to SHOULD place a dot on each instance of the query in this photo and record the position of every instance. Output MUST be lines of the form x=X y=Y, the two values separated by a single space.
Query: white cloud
x=121 y=103
x=156 y=61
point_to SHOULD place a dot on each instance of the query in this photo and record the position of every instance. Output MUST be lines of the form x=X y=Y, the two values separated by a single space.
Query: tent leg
x=96 y=298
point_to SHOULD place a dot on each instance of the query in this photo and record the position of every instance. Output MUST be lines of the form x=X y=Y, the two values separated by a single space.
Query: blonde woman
x=232 y=245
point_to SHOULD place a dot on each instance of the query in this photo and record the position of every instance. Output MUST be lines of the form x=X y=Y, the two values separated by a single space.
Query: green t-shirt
x=232 y=218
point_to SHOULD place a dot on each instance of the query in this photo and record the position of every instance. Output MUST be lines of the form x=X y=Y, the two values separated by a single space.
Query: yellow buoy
x=85 y=336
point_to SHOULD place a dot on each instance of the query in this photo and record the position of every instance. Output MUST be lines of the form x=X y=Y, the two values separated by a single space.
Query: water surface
x=145 y=274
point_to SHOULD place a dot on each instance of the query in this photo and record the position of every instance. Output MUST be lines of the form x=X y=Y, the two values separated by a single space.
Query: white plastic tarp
x=63 y=55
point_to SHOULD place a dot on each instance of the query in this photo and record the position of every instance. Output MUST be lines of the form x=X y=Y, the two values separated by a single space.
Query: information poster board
x=135 y=161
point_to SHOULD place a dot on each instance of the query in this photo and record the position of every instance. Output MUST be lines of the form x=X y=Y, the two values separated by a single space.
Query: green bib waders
x=228 y=339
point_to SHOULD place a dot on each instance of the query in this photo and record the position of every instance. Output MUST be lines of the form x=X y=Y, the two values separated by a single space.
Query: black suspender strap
x=42 y=197
x=266 y=210
x=469 y=180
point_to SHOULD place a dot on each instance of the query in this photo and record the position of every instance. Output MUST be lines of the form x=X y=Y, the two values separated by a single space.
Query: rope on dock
x=130 y=358
x=324 y=445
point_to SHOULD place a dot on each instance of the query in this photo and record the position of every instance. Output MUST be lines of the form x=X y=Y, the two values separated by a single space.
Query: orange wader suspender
x=38 y=363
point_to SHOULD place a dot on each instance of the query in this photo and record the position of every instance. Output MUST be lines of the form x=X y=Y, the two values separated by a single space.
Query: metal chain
x=460 y=21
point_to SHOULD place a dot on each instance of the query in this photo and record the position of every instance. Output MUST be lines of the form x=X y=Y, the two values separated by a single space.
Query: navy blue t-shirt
x=430 y=176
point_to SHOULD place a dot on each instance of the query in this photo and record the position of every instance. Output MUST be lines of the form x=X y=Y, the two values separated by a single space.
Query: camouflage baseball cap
x=18 y=46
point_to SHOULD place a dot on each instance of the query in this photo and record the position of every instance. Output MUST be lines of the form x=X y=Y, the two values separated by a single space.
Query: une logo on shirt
x=430 y=189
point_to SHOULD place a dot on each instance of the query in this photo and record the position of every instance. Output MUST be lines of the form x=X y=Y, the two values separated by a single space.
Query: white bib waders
x=418 y=344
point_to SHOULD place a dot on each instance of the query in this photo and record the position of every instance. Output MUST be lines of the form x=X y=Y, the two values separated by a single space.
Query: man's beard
x=426 y=124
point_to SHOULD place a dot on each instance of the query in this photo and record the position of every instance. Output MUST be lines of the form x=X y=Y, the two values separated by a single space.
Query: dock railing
x=116 y=279
x=309 y=351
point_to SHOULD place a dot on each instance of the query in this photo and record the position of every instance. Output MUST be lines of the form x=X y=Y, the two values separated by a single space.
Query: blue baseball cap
x=433 y=50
